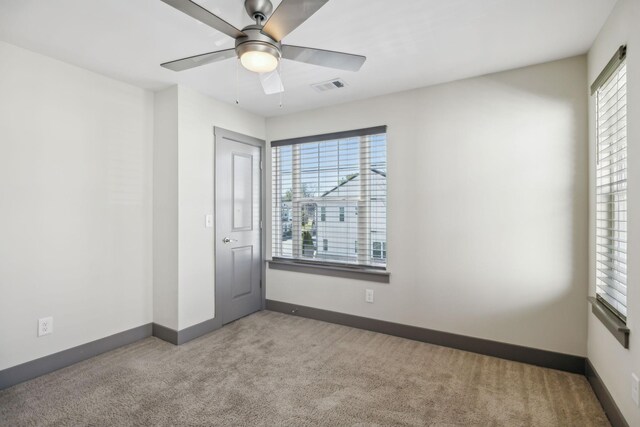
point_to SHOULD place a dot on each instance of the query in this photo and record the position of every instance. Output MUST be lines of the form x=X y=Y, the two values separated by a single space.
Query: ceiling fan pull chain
x=281 y=84
x=237 y=84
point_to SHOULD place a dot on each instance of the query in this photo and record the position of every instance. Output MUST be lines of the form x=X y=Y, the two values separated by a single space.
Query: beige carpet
x=272 y=369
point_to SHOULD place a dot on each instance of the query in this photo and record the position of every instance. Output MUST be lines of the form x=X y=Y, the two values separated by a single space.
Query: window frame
x=368 y=269
x=612 y=319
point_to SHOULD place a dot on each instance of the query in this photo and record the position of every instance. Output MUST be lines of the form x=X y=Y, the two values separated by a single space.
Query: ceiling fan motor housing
x=256 y=40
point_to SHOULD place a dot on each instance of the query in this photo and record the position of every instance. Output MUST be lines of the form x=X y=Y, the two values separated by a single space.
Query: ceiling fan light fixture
x=259 y=61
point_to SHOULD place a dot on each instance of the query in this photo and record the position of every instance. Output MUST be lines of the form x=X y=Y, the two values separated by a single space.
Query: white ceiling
x=408 y=43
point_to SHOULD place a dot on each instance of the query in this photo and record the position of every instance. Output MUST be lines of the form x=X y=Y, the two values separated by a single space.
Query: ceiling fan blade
x=198 y=60
x=203 y=15
x=325 y=58
x=271 y=82
x=289 y=15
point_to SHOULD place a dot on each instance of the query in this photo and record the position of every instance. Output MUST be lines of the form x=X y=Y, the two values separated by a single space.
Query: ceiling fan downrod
x=258 y=10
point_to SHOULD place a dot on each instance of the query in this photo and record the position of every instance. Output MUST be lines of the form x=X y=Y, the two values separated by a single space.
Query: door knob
x=228 y=240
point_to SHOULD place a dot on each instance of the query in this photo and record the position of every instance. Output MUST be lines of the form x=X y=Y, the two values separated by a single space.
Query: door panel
x=242 y=259
x=238 y=234
x=242 y=165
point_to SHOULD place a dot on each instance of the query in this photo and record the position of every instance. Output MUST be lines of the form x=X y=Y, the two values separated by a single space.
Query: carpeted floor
x=272 y=369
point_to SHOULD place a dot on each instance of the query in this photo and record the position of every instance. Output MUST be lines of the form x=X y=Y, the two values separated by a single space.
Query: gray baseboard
x=606 y=400
x=62 y=359
x=533 y=356
x=166 y=334
x=195 y=331
x=184 y=335
x=53 y=362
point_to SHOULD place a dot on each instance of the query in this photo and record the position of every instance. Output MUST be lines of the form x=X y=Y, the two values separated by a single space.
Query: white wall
x=75 y=205
x=487 y=208
x=183 y=247
x=165 y=208
x=614 y=363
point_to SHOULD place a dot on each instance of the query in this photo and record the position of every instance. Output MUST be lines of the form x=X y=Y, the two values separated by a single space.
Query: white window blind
x=330 y=198
x=611 y=190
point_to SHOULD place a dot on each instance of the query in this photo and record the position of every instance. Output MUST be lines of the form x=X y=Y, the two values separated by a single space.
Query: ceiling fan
x=258 y=46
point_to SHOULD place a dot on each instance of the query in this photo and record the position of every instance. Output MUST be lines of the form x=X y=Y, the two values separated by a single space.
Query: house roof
x=351 y=178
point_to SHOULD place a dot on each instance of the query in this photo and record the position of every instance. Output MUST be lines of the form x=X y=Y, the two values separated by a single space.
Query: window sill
x=619 y=330
x=358 y=273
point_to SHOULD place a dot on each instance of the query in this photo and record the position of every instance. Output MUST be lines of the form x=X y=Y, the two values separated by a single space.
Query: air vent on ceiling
x=329 y=85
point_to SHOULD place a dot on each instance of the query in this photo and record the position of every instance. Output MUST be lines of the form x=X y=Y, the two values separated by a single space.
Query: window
x=611 y=186
x=343 y=178
x=379 y=250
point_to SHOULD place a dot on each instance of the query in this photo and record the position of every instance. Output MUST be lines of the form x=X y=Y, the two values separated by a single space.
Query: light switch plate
x=208 y=221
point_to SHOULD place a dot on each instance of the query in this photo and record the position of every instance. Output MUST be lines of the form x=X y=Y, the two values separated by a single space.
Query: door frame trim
x=261 y=144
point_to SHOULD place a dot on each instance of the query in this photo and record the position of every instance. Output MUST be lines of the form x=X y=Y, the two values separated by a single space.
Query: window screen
x=611 y=190
x=330 y=198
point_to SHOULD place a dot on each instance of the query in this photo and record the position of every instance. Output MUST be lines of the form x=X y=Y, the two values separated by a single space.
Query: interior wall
x=487 y=208
x=165 y=208
x=75 y=205
x=198 y=114
x=614 y=363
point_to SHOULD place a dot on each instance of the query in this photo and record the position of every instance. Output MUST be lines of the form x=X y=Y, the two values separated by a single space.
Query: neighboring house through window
x=379 y=250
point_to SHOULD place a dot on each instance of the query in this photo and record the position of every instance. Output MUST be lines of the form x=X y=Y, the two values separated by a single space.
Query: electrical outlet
x=635 y=389
x=368 y=295
x=45 y=326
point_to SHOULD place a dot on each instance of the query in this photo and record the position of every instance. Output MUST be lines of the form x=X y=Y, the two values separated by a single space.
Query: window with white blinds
x=611 y=187
x=330 y=198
